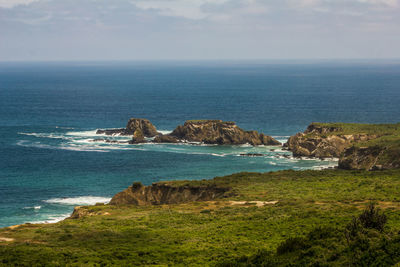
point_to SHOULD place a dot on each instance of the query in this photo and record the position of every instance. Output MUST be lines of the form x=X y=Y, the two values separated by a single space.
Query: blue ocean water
x=49 y=112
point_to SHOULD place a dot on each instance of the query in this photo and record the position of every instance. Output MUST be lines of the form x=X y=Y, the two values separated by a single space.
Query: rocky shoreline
x=358 y=146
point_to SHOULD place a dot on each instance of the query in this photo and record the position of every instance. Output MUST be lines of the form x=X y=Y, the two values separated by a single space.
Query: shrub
x=292 y=244
x=372 y=218
x=136 y=185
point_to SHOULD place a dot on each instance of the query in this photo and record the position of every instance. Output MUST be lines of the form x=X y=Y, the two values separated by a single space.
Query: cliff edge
x=358 y=146
x=167 y=193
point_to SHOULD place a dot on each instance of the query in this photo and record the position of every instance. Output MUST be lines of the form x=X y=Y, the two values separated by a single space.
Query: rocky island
x=358 y=146
x=215 y=132
x=193 y=131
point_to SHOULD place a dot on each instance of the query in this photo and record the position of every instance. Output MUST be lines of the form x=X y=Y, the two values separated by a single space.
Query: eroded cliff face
x=216 y=132
x=357 y=151
x=370 y=158
x=163 y=193
x=146 y=128
x=323 y=142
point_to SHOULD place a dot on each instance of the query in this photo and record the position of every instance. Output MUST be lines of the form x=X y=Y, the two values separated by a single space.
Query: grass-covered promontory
x=358 y=146
x=286 y=217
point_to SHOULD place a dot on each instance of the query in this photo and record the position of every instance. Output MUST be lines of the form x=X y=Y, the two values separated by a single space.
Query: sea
x=50 y=111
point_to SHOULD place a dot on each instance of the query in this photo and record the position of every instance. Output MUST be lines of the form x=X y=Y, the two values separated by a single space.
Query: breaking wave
x=83 y=200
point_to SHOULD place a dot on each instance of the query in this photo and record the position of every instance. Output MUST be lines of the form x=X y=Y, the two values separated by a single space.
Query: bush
x=372 y=218
x=292 y=244
x=136 y=185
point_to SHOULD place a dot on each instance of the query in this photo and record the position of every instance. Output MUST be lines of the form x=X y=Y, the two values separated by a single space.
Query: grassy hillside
x=358 y=128
x=265 y=212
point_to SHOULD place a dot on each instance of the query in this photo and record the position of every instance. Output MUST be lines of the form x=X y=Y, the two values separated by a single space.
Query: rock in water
x=218 y=132
x=138 y=137
x=166 y=193
x=165 y=139
x=147 y=128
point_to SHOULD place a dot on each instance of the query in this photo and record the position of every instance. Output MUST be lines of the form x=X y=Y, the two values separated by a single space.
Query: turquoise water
x=49 y=112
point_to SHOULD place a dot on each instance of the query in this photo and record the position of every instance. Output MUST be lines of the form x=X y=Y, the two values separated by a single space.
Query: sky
x=52 y=30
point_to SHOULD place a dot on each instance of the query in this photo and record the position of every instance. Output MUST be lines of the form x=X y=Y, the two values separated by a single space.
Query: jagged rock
x=219 y=132
x=147 y=128
x=165 y=139
x=108 y=141
x=138 y=137
x=322 y=142
x=252 y=155
x=164 y=193
x=370 y=158
x=120 y=131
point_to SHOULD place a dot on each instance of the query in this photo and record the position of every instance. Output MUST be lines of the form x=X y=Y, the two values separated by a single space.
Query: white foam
x=46 y=135
x=53 y=218
x=164 y=132
x=84 y=200
x=33 y=208
x=90 y=133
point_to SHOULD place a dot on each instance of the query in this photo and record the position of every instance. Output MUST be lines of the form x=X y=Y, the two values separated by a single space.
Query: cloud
x=183 y=29
x=13 y=3
x=180 y=8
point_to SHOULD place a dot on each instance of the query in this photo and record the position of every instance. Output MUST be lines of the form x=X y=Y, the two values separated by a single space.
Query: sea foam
x=83 y=200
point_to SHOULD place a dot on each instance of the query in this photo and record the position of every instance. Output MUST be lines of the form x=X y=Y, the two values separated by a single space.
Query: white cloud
x=178 y=8
x=13 y=3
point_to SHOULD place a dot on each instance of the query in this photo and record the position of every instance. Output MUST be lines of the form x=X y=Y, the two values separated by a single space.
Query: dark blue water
x=50 y=111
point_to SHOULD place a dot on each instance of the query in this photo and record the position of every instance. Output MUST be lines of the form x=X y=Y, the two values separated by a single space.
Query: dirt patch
x=5 y=239
x=257 y=203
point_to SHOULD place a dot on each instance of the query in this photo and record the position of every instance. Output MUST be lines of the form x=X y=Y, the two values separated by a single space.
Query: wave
x=47 y=135
x=83 y=200
x=90 y=133
x=55 y=218
x=164 y=132
x=32 y=208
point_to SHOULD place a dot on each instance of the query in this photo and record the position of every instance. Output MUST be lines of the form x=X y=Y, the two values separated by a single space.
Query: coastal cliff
x=165 y=193
x=323 y=141
x=215 y=132
x=358 y=146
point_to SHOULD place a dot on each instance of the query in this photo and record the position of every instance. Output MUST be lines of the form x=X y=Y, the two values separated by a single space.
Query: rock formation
x=370 y=158
x=364 y=149
x=216 y=132
x=166 y=193
x=145 y=126
x=137 y=137
x=323 y=142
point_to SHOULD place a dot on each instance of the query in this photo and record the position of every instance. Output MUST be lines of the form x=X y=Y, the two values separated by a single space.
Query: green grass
x=207 y=233
x=357 y=128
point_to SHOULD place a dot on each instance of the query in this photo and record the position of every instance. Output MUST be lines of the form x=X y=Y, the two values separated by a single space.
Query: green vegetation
x=357 y=128
x=365 y=241
x=312 y=223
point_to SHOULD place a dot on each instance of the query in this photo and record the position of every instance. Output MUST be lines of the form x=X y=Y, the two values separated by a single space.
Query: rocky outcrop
x=216 y=132
x=370 y=158
x=164 y=193
x=137 y=137
x=323 y=142
x=145 y=126
x=165 y=139
x=369 y=147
